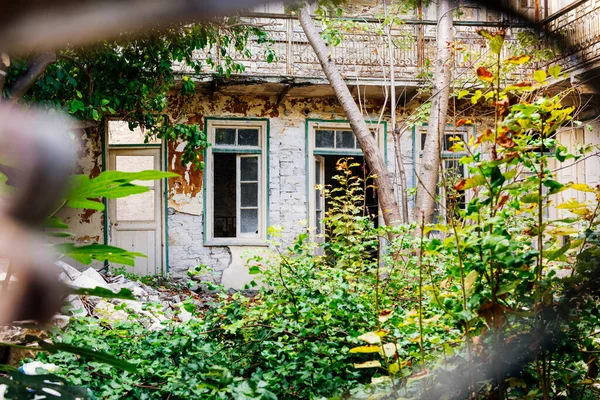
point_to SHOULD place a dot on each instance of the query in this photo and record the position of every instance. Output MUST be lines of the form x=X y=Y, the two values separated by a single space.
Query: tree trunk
x=396 y=132
x=385 y=192
x=430 y=161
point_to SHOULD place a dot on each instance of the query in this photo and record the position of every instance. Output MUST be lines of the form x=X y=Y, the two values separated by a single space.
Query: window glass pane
x=249 y=221
x=344 y=139
x=225 y=136
x=249 y=195
x=373 y=133
x=318 y=182
x=249 y=168
x=248 y=137
x=450 y=138
x=319 y=219
x=119 y=133
x=224 y=192
x=135 y=164
x=138 y=207
x=324 y=139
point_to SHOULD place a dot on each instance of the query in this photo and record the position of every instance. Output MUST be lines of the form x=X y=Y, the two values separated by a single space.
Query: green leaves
x=495 y=39
x=497 y=179
x=99 y=252
x=89 y=354
x=75 y=106
x=124 y=293
x=109 y=184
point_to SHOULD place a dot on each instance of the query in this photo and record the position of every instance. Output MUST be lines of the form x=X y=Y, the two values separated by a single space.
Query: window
x=452 y=171
x=328 y=141
x=119 y=134
x=236 y=182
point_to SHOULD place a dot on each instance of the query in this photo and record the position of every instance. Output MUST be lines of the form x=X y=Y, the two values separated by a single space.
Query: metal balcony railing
x=579 y=24
x=362 y=54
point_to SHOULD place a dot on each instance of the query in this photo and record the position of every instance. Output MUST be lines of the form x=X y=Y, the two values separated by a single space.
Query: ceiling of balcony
x=306 y=88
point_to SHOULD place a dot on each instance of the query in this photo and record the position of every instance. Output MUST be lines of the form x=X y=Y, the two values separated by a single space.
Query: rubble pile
x=153 y=307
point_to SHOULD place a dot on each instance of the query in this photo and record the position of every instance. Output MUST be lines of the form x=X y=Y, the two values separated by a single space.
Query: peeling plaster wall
x=287 y=175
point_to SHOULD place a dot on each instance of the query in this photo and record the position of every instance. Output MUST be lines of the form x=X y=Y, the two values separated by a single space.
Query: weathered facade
x=275 y=132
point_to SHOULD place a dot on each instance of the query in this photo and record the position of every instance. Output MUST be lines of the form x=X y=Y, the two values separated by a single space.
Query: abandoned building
x=277 y=130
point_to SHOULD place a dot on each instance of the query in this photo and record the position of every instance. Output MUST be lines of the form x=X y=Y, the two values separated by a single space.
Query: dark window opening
x=224 y=224
x=362 y=171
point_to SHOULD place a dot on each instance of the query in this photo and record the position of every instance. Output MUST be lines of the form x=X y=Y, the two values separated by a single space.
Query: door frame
x=163 y=186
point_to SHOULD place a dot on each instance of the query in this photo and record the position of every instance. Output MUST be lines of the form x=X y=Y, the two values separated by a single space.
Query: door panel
x=135 y=222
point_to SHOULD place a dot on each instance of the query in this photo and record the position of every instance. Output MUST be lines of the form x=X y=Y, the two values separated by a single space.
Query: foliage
x=470 y=305
x=130 y=77
x=91 y=193
x=292 y=340
x=527 y=331
x=84 y=193
x=500 y=301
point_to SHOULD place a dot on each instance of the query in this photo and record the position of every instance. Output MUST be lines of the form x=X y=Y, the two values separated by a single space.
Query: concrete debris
x=106 y=310
x=89 y=279
x=70 y=272
x=183 y=314
x=38 y=368
x=154 y=307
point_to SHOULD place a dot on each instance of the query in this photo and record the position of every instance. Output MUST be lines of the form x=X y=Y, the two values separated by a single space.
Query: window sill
x=236 y=242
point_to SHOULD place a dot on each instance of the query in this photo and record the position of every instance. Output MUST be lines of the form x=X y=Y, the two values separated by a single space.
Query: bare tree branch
x=36 y=68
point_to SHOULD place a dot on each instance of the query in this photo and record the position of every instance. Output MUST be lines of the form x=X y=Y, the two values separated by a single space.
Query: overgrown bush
x=292 y=340
x=498 y=302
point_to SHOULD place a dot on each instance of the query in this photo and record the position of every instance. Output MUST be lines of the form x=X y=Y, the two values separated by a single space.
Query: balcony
x=362 y=55
x=579 y=25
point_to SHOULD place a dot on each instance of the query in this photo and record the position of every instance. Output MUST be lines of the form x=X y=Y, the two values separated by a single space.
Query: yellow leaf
x=368 y=364
x=518 y=60
x=583 y=187
x=370 y=337
x=432 y=319
x=381 y=333
x=394 y=368
x=385 y=314
x=416 y=339
x=571 y=205
x=470 y=279
x=365 y=349
x=389 y=349
x=441 y=228
x=563 y=231
x=484 y=74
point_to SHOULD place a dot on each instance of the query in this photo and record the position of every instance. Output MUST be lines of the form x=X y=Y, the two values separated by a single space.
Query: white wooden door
x=135 y=222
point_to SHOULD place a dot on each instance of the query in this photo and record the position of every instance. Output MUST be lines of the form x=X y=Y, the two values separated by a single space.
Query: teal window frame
x=210 y=123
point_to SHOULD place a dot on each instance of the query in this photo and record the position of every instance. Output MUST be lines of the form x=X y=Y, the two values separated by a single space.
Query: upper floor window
x=236 y=182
